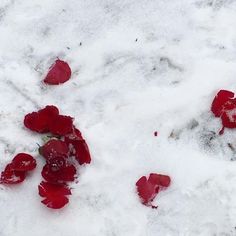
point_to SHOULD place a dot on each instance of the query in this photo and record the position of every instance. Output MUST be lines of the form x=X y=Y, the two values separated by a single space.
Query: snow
x=138 y=67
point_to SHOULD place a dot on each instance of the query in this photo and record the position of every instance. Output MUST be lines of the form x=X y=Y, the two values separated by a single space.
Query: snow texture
x=138 y=67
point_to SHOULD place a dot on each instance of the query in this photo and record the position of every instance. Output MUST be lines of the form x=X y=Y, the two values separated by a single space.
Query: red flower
x=39 y=121
x=54 y=194
x=61 y=125
x=10 y=176
x=23 y=162
x=54 y=173
x=59 y=73
x=148 y=188
x=54 y=148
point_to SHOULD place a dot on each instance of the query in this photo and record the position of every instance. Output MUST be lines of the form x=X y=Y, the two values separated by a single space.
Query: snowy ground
x=138 y=67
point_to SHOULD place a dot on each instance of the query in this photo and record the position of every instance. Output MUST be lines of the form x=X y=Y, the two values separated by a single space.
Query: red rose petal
x=162 y=180
x=49 y=111
x=55 y=195
x=146 y=190
x=75 y=135
x=59 y=176
x=10 y=176
x=54 y=148
x=82 y=153
x=56 y=202
x=48 y=189
x=220 y=99
x=229 y=119
x=23 y=162
x=39 y=121
x=59 y=73
x=61 y=125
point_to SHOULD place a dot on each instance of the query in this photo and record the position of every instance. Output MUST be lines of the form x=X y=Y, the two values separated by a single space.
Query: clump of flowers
x=61 y=151
x=65 y=147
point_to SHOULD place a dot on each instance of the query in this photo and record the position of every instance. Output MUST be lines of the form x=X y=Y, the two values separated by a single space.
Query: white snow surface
x=138 y=67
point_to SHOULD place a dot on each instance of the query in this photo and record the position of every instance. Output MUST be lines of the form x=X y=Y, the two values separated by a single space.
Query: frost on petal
x=229 y=119
x=75 y=135
x=10 y=176
x=64 y=174
x=59 y=73
x=61 y=125
x=54 y=148
x=54 y=194
x=220 y=99
x=23 y=162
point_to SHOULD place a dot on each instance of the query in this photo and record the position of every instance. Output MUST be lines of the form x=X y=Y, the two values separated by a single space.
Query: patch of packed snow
x=138 y=67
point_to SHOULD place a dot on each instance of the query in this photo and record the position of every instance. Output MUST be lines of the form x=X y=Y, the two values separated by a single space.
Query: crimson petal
x=162 y=180
x=61 y=125
x=54 y=148
x=10 y=176
x=146 y=190
x=39 y=121
x=54 y=194
x=220 y=99
x=59 y=73
x=58 y=176
x=23 y=162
